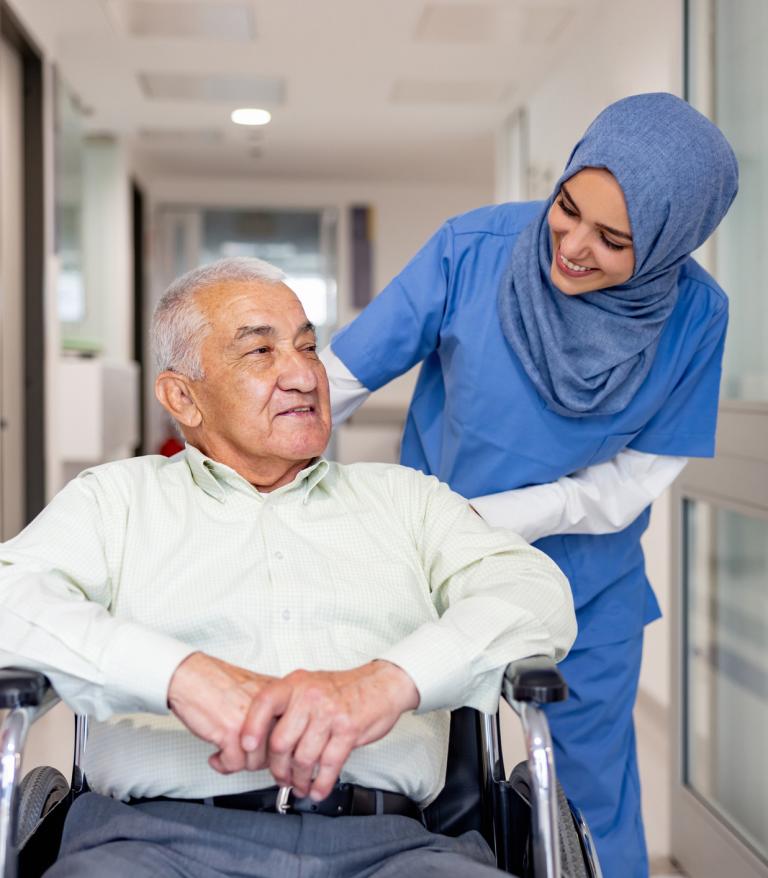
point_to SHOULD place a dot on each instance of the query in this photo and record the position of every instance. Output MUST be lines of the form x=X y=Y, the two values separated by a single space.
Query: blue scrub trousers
x=595 y=755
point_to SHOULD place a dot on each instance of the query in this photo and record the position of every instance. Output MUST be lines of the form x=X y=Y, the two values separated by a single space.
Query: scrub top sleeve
x=685 y=425
x=401 y=326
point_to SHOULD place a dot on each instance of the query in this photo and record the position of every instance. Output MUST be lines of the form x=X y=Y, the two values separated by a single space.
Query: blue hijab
x=589 y=354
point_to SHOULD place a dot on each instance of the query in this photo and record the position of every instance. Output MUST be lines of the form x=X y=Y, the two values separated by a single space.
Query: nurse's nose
x=575 y=242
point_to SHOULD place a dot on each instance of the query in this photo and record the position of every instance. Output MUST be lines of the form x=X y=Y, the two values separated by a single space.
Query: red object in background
x=171 y=446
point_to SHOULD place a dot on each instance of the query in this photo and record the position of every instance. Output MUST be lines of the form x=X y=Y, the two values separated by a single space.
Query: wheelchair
x=525 y=817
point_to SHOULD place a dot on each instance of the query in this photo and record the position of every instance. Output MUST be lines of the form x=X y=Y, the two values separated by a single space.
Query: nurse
x=570 y=358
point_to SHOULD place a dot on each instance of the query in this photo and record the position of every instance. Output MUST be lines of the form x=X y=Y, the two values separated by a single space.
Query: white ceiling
x=373 y=89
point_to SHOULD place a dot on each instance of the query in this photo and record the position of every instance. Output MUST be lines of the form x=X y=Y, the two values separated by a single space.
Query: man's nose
x=297 y=372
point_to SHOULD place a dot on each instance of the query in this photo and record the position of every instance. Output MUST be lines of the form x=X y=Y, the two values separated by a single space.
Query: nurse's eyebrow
x=599 y=225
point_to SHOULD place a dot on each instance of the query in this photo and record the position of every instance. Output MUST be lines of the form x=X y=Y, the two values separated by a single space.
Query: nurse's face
x=591 y=235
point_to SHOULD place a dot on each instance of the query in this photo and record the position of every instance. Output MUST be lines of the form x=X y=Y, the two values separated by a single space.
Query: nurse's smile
x=591 y=239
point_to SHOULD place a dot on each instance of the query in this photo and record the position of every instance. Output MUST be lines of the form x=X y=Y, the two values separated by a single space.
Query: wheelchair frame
x=527 y=684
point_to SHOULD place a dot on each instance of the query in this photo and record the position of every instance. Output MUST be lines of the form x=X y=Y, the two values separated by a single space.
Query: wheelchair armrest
x=20 y=688
x=534 y=679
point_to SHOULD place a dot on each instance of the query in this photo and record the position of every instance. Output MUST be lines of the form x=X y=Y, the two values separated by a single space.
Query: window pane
x=728 y=80
x=289 y=239
x=726 y=702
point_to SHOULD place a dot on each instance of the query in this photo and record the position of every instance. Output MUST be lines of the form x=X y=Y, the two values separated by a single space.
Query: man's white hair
x=178 y=328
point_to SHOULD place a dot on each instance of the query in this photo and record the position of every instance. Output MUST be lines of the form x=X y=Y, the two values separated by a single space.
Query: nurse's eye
x=568 y=211
x=610 y=244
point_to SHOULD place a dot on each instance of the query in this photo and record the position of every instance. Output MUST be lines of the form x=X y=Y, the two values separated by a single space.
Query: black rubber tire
x=571 y=855
x=41 y=789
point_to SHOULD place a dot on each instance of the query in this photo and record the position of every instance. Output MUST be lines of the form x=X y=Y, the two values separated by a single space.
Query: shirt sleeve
x=401 y=325
x=347 y=393
x=686 y=423
x=55 y=599
x=600 y=499
x=496 y=599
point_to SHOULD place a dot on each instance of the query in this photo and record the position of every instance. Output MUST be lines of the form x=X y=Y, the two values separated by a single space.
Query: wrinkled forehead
x=229 y=305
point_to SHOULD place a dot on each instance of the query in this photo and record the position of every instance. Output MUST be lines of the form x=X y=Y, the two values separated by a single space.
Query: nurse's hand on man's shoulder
x=304 y=726
x=212 y=698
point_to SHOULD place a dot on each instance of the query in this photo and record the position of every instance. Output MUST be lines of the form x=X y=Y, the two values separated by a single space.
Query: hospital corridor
x=315 y=316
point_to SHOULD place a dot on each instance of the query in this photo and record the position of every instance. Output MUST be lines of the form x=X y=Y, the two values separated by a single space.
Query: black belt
x=345 y=799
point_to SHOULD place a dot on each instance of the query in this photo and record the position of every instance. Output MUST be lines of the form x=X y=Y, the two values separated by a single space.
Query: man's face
x=264 y=398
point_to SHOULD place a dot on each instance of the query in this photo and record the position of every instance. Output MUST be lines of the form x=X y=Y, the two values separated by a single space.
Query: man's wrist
x=400 y=686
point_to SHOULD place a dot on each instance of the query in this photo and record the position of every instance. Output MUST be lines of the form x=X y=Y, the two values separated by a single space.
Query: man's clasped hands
x=302 y=727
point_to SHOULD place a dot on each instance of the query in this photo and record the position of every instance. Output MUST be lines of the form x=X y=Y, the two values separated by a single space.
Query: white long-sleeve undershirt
x=599 y=499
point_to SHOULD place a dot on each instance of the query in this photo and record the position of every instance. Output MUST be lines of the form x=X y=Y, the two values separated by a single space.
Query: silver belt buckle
x=282 y=804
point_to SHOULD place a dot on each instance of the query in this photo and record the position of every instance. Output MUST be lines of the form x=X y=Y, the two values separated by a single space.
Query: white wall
x=622 y=49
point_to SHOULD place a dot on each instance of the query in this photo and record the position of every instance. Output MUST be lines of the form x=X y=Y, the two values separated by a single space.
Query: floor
x=654 y=758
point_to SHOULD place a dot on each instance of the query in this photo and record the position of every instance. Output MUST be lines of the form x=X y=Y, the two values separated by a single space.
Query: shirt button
x=279 y=556
x=286 y=614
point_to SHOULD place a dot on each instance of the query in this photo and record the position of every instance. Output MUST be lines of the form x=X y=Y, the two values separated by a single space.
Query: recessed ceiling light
x=250 y=116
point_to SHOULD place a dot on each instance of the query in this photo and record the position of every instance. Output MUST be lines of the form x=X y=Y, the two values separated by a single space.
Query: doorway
x=12 y=500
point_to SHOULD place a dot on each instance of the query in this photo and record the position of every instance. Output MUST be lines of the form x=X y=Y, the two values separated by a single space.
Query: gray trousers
x=103 y=837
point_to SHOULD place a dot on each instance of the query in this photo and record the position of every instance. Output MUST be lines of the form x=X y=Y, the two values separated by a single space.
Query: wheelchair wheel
x=40 y=791
x=572 y=856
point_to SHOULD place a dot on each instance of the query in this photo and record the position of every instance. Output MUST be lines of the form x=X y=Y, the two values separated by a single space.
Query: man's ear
x=175 y=395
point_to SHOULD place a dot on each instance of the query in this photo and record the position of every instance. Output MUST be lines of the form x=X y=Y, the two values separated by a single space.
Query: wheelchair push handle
x=20 y=688
x=534 y=679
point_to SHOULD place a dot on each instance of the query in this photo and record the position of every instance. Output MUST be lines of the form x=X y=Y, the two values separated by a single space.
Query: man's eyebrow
x=246 y=331
x=266 y=329
x=599 y=225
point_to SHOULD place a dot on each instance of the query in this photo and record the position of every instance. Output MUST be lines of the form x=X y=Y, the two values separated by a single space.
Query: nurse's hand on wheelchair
x=301 y=727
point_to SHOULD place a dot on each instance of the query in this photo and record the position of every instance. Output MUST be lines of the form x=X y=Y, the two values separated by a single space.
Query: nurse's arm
x=600 y=499
x=347 y=393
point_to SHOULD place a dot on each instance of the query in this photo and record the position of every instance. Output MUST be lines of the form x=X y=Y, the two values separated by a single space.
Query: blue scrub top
x=477 y=422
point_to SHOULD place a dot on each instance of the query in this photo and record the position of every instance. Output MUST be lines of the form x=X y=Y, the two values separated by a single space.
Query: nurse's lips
x=571 y=272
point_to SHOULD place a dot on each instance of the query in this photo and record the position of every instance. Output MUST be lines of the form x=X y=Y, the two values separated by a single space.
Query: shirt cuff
x=434 y=660
x=138 y=667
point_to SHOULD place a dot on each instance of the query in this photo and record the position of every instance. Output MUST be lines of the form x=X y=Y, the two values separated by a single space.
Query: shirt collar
x=214 y=478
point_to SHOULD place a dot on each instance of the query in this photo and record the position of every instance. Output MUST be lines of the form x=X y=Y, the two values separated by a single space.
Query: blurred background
x=120 y=168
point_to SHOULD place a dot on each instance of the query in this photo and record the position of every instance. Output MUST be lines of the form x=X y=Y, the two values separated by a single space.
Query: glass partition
x=725 y=711
x=727 y=76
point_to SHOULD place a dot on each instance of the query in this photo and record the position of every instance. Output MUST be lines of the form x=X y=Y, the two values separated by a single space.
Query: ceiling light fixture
x=250 y=116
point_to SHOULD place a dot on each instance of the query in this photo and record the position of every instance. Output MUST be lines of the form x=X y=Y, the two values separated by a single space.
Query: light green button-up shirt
x=137 y=564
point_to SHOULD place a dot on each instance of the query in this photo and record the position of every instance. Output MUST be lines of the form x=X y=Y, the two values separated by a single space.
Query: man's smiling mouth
x=298 y=410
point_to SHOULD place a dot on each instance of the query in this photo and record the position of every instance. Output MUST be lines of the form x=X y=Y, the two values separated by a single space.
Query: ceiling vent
x=250 y=90
x=418 y=91
x=164 y=19
x=173 y=138
x=457 y=23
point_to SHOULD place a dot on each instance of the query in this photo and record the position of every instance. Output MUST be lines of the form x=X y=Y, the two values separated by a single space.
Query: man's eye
x=262 y=350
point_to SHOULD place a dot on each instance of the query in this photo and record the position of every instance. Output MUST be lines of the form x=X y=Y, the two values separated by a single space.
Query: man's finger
x=306 y=755
x=332 y=760
x=283 y=740
x=257 y=759
x=269 y=704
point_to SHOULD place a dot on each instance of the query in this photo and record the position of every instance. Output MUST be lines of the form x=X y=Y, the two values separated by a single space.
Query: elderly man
x=248 y=614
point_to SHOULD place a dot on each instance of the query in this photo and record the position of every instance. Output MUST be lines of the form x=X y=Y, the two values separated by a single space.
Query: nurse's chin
x=572 y=286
